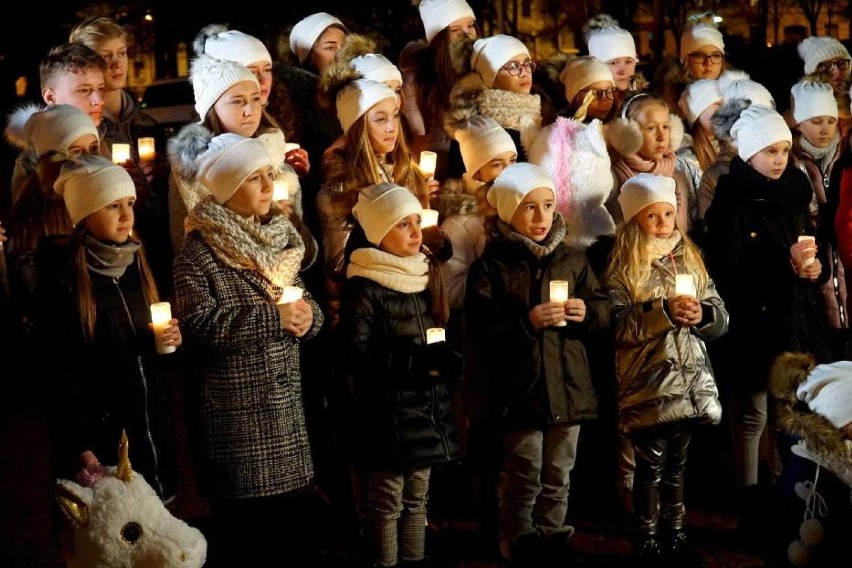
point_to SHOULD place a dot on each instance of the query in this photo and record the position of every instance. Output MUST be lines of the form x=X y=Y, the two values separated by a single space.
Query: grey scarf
x=538 y=250
x=109 y=260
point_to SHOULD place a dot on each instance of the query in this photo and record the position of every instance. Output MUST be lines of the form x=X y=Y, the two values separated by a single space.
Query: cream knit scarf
x=274 y=249
x=507 y=108
x=406 y=274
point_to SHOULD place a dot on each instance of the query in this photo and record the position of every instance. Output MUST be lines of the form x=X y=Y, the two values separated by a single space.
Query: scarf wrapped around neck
x=110 y=260
x=630 y=165
x=821 y=156
x=406 y=274
x=274 y=248
x=538 y=250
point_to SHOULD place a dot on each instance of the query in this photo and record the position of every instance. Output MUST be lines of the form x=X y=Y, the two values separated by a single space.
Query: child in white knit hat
x=698 y=102
x=315 y=39
x=702 y=51
x=533 y=301
x=589 y=91
x=393 y=303
x=616 y=47
x=828 y=58
x=658 y=284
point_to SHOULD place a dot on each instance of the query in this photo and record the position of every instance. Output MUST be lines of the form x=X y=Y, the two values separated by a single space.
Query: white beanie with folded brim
x=307 y=31
x=438 y=14
x=513 y=184
x=491 y=53
x=699 y=36
x=642 y=190
x=758 y=128
x=697 y=97
x=828 y=391
x=810 y=99
x=481 y=140
x=228 y=161
x=580 y=72
x=381 y=206
x=814 y=50
x=237 y=46
x=612 y=43
x=376 y=67
x=211 y=77
x=89 y=183
x=359 y=96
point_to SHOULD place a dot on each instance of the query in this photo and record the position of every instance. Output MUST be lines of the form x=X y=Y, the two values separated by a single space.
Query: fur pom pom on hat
x=697 y=37
x=306 y=32
x=642 y=190
x=828 y=391
x=218 y=41
x=491 y=53
x=46 y=129
x=810 y=99
x=228 y=161
x=814 y=50
x=356 y=98
x=381 y=206
x=697 y=97
x=759 y=127
x=88 y=183
x=438 y=14
x=376 y=67
x=580 y=72
x=211 y=77
x=513 y=184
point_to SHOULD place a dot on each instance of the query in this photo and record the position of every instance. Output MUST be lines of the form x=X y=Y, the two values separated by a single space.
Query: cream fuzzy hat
x=811 y=99
x=481 y=140
x=828 y=391
x=642 y=190
x=697 y=37
x=89 y=183
x=306 y=32
x=748 y=89
x=211 y=77
x=696 y=97
x=580 y=72
x=226 y=163
x=759 y=127
x=612 y=43
x=814 y=50
x=438 y=14
x=236 y=46
x=513 y=184
x=381 y=206
x=376 y=67
x=491 y=53
x=357 y=98
x=46 y=129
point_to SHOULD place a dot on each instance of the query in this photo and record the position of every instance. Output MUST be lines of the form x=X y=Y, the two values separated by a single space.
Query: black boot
x=648 y=551
x=680 y=552
x=526 y=551
x=556 y=547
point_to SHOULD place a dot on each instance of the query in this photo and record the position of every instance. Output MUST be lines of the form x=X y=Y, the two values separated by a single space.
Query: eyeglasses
x=514 y=68
x=600 y=94
x=827 y=67
x=701 y=57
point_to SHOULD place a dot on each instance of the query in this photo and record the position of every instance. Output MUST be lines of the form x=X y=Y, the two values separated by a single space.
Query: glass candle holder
x=428 y=163
x=684 y=285
x=146 y=148
x=290 y=294
x=435 y=335
x=120 y=153
x=559 y=293
x=161 y=314
x=428 y=218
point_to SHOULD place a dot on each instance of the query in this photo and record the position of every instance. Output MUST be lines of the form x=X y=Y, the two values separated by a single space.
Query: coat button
x=557 y=417
x=753 y=234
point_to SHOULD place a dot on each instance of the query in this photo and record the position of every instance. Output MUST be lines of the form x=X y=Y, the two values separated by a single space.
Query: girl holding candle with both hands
x=665 y=384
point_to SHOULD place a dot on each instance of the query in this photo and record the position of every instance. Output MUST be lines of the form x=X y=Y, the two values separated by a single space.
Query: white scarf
x=407 y=274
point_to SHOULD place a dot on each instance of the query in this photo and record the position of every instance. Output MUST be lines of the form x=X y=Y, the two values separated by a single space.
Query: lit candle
x=290 y=294
x=684 y=285
x=435 y=335
x=809 y=253
x=559 y=293
x=428 y=163
x=120 y=153
x=290 y=146
x=146 y=149
x=428 y=218
x=280 y=190
x=161 y=314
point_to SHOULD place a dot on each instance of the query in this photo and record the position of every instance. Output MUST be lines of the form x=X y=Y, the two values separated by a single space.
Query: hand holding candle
x=685 y=285
x=161 y=319
x=290 y=294
x=294 y=313
x=559 y=293
x=428 y=163
x=807 y=252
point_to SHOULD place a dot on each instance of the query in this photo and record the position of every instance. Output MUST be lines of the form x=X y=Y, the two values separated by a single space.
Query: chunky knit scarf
x=822 y=156
x=628 y=166
x=110 y=260
x=508 y=108
x=658 y=248
x=407 y=274
x=274 y=249
x=538 y=250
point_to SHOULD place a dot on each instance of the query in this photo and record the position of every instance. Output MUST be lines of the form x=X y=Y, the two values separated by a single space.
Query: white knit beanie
x=580 y=72
x=696 y=97
x=642 y=190
x=697 y=37
x=438 y=14
x=306 y=32
x=381 y=206
x=357 y=98
x=481 y=140
x=828 y=391
x=753 y=91
x=513 y=184
x=759 y=127
x=814 y=50
x=376 y=67
x=56 y=127
x=491 y=53
x=89 y=183
x=226 y=163
x=237 y=46
x=810 y=99
x=611 y=43
x=211 y=77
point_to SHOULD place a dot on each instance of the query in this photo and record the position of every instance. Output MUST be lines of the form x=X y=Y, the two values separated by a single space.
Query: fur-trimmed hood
x=185 y=147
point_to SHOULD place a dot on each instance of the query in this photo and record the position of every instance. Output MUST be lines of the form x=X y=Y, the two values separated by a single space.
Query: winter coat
x=751 y=225
x=664 y=374
x=401 y=386
x=247 y=373
x=532 y=378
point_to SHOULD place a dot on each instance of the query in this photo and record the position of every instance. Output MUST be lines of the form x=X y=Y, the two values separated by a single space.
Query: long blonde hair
x=702 y=146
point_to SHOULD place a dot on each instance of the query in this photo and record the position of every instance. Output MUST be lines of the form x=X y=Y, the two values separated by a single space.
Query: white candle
x=428 y=163
x=161 y=314
x=428 y=218
x=280 y=190
x=120 y=153
x=559 y=293
x=289 y=146
x=146 y=149
x=290 y=294
x=684 y=285
x=435 y=335
x=809 y=251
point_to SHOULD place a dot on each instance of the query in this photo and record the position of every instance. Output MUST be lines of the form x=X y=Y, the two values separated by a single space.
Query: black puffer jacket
x=401 y=386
